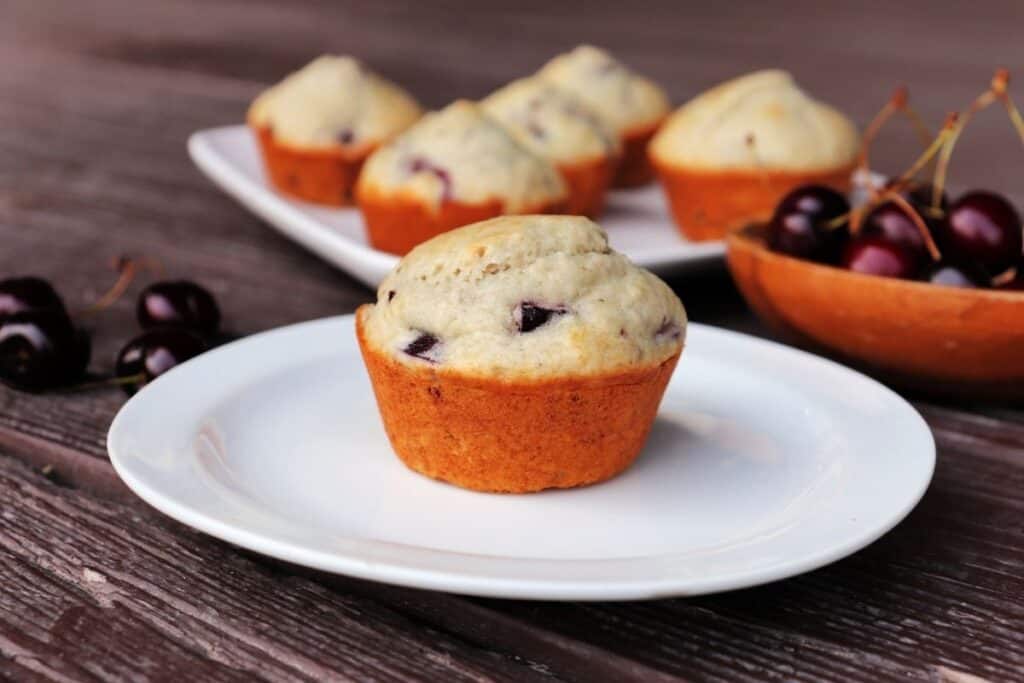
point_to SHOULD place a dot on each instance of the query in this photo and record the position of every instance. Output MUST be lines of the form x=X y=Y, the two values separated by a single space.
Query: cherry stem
x=926 y=235
x=896 y=102
x=919 y=125
x=936 y=145
x=1000 y=83
x=1005 y=277
x=109 y=382
x=127 y=269
x=996 y=90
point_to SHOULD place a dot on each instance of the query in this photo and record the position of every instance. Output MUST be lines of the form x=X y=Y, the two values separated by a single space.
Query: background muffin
x=519 y=354
x=557 y=125
x=726 y=157
x=455 y=167
x=318 y=125
x=633 y=106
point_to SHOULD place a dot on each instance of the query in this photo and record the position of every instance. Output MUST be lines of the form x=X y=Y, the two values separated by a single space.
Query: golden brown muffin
x=319 y=124
x=454 y=167
x=729 y=155
x=631 y=105
x=520 y=354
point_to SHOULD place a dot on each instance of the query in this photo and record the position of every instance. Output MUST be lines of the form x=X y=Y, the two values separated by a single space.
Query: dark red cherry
x=874 y=255
x=529 y=316
x=19 y=294
x=954 y=275
x=668 y=330
x=799 y=226
x=920 y=197
x=153 y=353
x=41 y=349
x=425 y=347
x=423 y=165
x=891 y=222
x=178 y=303
x=985 y=228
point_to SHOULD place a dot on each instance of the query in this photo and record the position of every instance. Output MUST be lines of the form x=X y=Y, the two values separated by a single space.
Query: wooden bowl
x=942 y=340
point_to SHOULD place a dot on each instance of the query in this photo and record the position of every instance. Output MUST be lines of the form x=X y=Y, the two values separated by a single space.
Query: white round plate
x=764 y=462
x=637 y=221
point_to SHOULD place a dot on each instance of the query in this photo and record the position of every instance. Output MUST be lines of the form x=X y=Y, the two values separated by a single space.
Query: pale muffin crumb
x=525 y=297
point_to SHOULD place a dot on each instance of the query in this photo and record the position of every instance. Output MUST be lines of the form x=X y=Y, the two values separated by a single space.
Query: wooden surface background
x=96 y=101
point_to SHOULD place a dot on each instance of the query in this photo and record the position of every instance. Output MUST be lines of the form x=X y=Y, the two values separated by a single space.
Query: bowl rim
x=752 y=238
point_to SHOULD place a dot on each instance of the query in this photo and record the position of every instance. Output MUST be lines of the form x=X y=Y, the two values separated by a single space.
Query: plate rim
x=480 y=584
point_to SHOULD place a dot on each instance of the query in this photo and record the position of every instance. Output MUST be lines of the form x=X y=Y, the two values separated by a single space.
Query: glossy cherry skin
x=41 y=349
x=178 y=303
x=874 y=255
x=798 y=226
x=954 y=275
x=984 y=228
x=19 y=294
x=891 y=222
x=153 y=353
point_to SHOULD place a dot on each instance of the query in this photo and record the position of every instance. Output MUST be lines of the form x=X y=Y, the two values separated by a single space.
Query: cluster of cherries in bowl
x=42 y=348
x=909 y=229
x=980 y=237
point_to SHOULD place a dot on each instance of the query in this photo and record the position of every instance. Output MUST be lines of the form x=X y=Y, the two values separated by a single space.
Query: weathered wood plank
x=98 y=589
x=95 y=106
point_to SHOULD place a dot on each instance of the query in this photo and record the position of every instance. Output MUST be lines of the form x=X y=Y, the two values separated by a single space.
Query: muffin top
x=759 y=121
x=334 y=101
x=524 y=298
x=551 y=121
x=461 y=154
x=625 y=100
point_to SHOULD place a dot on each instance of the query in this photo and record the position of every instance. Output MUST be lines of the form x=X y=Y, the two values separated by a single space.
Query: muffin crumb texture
x=334 y=102
x=525 y=297
x=624 y=99
x=761 y=121
x=460 y=154
x=551 y=121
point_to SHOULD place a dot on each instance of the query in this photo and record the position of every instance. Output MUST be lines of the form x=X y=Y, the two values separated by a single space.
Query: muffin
x=631 y=105
x=520 y=354
x=728 y=156
x=317 y=126
x=455 y=167
x=555 y=124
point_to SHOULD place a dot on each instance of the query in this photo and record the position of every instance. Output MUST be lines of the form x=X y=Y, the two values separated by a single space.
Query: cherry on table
x=153 y=353
x=30 y=293
x=984 y=228
x=178 y=303
x=41 y=349
x=800 y=224
x=875 y=255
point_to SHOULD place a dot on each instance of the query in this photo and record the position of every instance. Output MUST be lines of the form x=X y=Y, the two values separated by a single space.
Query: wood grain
x=95 y=108
x=91 y=591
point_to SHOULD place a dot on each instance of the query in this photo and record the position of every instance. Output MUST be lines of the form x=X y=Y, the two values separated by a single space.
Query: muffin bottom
x=514 y=436
x=323 y=176
x=635 y=167
x=707 y=205
x=588 y=183
x=397 y=223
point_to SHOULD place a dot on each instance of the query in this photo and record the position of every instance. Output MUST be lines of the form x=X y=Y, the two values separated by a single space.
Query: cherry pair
x=41 y=347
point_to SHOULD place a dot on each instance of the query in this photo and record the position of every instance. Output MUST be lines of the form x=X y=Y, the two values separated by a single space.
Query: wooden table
x=96 y=101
